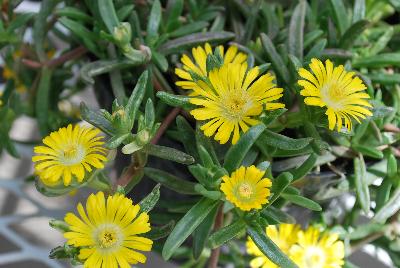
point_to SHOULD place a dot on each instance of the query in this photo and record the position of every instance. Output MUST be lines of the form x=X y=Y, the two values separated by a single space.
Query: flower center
x=235 y=104
x=333 y=96
x=245 y=190
x=107 y=238
x=314 y=257
x=70 y=151
x=71 y=155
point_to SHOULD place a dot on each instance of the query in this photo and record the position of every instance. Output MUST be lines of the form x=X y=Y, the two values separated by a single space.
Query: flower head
x=231 y=98
x=284 y=237
x=199 y=66
x=107 y=233
x=69 y=152
x=317 y=250
x=338 y=90
x=246 y=188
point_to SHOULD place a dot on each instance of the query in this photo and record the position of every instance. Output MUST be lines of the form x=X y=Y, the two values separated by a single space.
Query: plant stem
x=165 y=124
x=213 y=263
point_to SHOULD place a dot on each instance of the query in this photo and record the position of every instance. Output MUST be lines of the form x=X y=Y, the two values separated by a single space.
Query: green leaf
x=215 y=195
x=200 y=235
x=117 y=140
x=153 y=23
x=226 y=233
x=279 y=185
x=310 y=37
x=97 y=119
x=389 y=209
x=89 y=70
x=20 y=20
x=316 y=50
x=160 y=60
x=39 y=35
x=382 y=42
x=351 y=35
x=302 y=201
x=136 y=97
x=296 y=30
x=149 y=114
x=189 y=29
x=268 y=247
x=182 y=43
x=282 y=142
x=364 y=230
x=383 y=193
x=378 y=61
x=277 y=215
x=358 y=10
x=108 y=14
x=169 y=154
x=174 y=10
x=42 y=100
x=158 y=232
x=193 y=218
x=385 y=79
x=361 y=183
x=205 y=157
x=175 y=100
x=275 y=58
x=340 y=15
x=368 y=151
x=148 y=203
x=303 y=170
x=237 y=152
x=271 y=116
x=74 y=13
x=170 y=181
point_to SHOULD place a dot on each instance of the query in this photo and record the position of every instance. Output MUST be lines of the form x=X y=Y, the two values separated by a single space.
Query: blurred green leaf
x=302 y=201
x=296 y=30
x=153 y=23
x=43 y=99
x=158 y=232
x=304 y=168
x=223 y=235
x=282 y=142
x=169 y=154
x=390 y=208
x=377 y=61
x=108 y=14
x=170 y=181
x=359 y=10
x=175 y=100
x=362 y=190
x=351 y=35
x=279 y=185
x=148 y=203
x=340 y=15
x=202 y=232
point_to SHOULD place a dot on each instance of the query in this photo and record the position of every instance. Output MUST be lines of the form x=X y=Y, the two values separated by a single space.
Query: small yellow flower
x=338 y=90
x=8 y=73
x=232 y=98
x=316 y=249
x=284 y=237
x=246 y=188
x=69 y=151
x=107 y=233
x=199 y=65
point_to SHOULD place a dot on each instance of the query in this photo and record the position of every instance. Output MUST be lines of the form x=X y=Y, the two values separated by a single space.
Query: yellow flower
x=199 y=66
x=69 y=151
x=246 y=188
x=232 y=98
x=317 y=250
x=108 y=234
x=338 y=90
x=284 y=238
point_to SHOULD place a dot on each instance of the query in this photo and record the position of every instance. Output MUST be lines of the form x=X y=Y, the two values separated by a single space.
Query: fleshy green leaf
x=169 y=154
x=237 y=152
x=351 y=35
x=148 y=203
x=185 y=227
x=361 y=183
x=296 y=30
x=302 y=201
x=200 y=235
x=226 y=233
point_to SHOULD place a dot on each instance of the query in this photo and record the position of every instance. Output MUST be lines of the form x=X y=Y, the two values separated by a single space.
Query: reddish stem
x=219 y=220
x=165 y=124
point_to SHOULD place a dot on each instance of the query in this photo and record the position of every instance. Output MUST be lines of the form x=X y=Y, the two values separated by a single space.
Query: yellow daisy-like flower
x=284 y=237
x=108 y=234
x=68 y=152
x=317 y=250
x=199 y=66
x=338 y=90
x=232 y=98
x=246 y=188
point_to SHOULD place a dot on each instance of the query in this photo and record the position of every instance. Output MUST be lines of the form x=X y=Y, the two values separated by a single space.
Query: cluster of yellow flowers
x=232 y=96
x=307 y=248
x=229 y=97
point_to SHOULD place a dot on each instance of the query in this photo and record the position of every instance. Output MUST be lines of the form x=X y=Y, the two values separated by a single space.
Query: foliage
x=127 y=51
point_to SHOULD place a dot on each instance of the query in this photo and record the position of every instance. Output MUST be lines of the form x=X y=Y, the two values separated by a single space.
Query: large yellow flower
x=68 y=152
x=246 y=188
x=199 y=65
x=338 y=90
x=284 y=237
x=317 y=250
x=108 y=234
x=231 y=99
